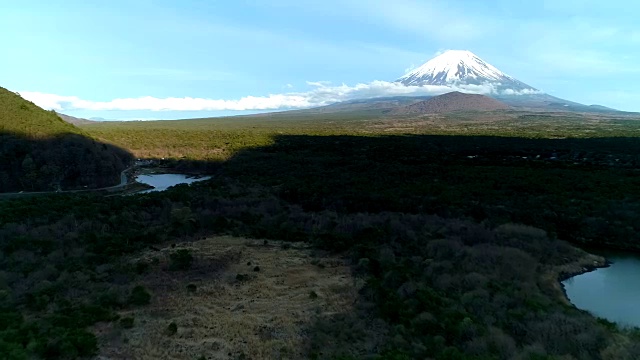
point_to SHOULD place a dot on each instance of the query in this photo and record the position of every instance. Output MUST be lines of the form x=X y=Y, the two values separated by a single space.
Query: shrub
x=192 y=288
x=519 y=230
x=139 y=296
x=180 y=260
x=76 y=343
x=142 y=267
x=172 y=328
x=127 y=322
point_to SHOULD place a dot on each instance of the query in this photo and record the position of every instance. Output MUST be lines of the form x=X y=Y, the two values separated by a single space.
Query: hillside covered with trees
x=41 y=152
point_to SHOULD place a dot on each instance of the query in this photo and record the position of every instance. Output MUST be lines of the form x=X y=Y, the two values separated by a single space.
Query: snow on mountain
x=462 y=67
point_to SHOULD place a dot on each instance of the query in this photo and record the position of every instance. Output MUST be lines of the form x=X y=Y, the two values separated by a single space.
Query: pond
x=612 y=293
x=161 y=182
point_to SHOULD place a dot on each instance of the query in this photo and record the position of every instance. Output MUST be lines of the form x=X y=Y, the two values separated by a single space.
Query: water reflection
x=161 y=182
x=612 y=293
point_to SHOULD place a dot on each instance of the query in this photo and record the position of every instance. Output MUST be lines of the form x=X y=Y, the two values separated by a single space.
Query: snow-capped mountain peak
x=460 y=67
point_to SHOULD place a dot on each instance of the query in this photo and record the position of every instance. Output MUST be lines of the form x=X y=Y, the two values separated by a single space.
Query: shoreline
x=588 y=263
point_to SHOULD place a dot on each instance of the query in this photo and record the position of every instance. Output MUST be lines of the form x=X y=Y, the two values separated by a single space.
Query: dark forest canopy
x=41 y=152
x=457 y=240
x=449 y=270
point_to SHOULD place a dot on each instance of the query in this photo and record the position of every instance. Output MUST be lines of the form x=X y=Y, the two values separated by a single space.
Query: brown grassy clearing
x=267 y=316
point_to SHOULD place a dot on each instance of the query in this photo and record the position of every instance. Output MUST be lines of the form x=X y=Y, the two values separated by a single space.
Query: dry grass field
x=253 y=300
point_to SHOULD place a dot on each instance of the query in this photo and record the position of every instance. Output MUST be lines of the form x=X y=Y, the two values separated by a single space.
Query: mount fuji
x=462 y=67
x=462 y=70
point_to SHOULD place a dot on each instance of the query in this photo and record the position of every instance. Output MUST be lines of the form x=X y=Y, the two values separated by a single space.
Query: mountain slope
x=380 y=104
x=548 y=102
x=453 y=101
x=21 y=117
x=39 y=151
x=461 y=67
x=74 y=120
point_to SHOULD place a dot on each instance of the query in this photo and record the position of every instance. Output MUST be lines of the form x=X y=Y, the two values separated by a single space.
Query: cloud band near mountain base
x=321 y=93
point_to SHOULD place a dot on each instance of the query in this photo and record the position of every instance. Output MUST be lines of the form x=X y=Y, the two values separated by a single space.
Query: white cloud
x=62 y=103
x=49 y=101
x=319 y=83
x=520 y=92
x=322 y=93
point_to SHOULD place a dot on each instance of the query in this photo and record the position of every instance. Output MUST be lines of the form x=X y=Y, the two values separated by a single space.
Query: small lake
x=161 y=182
x=611 y=293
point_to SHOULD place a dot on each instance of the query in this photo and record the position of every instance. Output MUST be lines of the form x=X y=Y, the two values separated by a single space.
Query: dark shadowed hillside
x=39 y=151
x=453 y=101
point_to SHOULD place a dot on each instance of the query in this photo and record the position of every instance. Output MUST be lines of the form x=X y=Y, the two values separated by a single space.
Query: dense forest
x=218 y=139
x=443 y=287
x=458 y=239
x=41 y=152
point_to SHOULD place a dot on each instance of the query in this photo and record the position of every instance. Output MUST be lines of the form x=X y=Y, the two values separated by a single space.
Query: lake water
x=612 y=293
x=162 y=182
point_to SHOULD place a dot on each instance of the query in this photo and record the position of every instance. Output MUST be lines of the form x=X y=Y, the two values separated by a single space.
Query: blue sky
x=141 y=59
